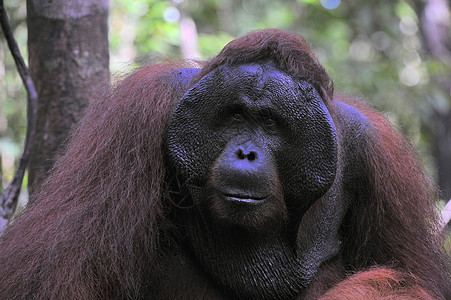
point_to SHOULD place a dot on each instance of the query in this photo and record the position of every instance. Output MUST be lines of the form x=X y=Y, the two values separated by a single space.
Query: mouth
x=243 y=198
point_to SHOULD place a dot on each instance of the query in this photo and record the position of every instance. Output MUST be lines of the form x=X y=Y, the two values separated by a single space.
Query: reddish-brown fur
x=376 y=284
x=95 y=228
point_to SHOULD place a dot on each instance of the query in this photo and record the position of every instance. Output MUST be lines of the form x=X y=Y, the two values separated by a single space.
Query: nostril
x=252 y=156
x=240 y=154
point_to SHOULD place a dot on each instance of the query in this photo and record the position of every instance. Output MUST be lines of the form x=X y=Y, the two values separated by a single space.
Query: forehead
x=254 y=86
x=250 y=84
x=259 y=77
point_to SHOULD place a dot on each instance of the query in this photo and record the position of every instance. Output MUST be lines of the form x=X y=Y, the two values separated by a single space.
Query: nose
x=246 y=153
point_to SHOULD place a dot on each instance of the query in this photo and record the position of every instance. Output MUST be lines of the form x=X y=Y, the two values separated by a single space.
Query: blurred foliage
x=12 y=95
x=370 y=48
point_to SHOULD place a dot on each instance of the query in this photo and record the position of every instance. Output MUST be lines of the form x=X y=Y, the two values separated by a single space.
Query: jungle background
x=396 y=54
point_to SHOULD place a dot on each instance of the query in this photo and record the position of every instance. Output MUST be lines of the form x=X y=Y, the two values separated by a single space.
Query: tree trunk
x=68 y=59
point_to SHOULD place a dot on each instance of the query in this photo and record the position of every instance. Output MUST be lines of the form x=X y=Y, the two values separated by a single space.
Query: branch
x=8 y=200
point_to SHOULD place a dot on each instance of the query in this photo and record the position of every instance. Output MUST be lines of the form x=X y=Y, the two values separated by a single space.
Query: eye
x=270 y=122
x=237 y=116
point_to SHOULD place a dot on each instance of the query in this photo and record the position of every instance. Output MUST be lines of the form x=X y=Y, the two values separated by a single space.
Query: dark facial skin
x=252 y=131
x=244 y=141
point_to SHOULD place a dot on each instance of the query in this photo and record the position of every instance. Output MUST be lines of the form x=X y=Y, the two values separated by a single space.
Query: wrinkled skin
x=244 y=139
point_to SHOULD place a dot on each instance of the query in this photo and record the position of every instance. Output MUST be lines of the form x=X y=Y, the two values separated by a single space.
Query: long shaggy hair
x=95 y=228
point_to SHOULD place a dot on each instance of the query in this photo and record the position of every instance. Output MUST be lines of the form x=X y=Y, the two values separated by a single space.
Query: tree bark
x=68 y=60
